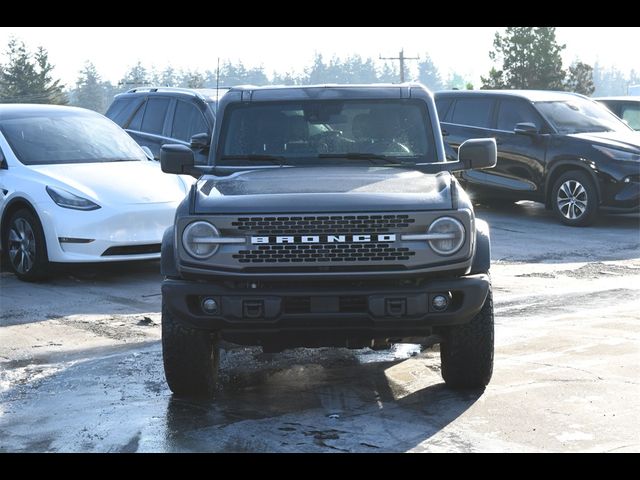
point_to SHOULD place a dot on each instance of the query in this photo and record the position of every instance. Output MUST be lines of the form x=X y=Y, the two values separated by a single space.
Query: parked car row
x=558 y=148
x=75 y=188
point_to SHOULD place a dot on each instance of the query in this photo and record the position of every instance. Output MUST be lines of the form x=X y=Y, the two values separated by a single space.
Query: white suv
x=74 y=187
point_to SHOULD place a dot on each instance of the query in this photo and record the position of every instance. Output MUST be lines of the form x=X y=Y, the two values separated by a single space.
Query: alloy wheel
x=22 y=245
x=572 y=199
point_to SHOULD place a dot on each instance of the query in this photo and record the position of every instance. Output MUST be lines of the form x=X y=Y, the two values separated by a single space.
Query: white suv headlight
x=200 y=240
x=446 y=235
x=65 y=199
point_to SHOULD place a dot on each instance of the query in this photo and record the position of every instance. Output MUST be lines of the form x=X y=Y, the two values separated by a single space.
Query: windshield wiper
x=275 y=159
x=372 y=157
x=594 y=130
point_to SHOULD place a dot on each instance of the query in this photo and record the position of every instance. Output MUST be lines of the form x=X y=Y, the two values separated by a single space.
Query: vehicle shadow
x=333 y=403
x=324 y=400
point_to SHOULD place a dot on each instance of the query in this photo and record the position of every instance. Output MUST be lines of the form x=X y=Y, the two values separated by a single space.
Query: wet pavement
x=81 y=367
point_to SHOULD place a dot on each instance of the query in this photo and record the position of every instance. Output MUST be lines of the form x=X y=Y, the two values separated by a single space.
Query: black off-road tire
x=466 y=351
x=24 y=219
x=191 y=358
x=587 y=198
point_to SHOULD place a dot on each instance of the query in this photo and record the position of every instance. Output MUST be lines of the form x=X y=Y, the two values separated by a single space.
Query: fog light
x=210 y=306
x=440 y=302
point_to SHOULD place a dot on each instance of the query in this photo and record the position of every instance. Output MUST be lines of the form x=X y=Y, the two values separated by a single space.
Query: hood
x=123 y=183
x=626 y=140
x=323 y=189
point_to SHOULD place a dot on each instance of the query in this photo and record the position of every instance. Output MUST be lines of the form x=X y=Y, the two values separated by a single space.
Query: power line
x=402 y=58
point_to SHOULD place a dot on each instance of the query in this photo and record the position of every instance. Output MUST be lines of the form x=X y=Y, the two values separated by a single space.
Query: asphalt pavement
x=81 y=367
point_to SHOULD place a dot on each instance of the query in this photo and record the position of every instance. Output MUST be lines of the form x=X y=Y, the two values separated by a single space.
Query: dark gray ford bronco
x=327 y=216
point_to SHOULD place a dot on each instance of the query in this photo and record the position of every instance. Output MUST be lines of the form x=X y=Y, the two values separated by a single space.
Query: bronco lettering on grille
x=295 y=239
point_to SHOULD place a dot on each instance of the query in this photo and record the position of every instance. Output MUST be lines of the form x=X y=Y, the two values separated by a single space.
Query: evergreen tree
x=232 y=74
x=354 y=69
x=580 y=79
x=456 y=82
x=192 y=79
x=611 y=81
x=429 y=75
x=286 y=78
x=530 y=59
x=168 y=78
x=136 y=77
x=27 y=77
x=90 y=91
x=256 y=76
x=388 y=73
x=317 y=73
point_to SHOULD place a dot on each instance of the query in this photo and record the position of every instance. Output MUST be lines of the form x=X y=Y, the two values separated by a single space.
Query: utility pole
x=402 y=58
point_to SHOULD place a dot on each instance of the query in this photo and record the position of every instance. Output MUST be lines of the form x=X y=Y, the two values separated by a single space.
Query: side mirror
x=478 y=153
x=148 y=153
x=3 y=162
x=200 y=141
x=525 y=128
x=177 y=159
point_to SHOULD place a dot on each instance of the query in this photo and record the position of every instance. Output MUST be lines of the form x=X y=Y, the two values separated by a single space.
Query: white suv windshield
x=67 y=137
x=303 y=132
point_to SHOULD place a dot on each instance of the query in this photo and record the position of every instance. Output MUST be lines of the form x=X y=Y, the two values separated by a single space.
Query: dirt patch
x=598 y=270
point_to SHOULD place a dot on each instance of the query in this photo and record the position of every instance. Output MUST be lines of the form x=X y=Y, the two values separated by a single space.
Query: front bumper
x=133 y=232
x=619 y=184
x=339 y=309
x=622 y=197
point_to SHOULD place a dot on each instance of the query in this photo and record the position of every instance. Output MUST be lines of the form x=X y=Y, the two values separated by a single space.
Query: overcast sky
x=463 y=49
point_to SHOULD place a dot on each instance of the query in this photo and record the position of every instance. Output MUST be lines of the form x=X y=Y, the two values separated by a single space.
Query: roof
x=250 y=93
x=628 y=98
x=17 y=109
x=326 y=86
x=531 y=95
x=207 y=94
x=212 y=94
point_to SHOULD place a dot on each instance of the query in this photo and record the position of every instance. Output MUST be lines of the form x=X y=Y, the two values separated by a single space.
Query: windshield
x=578 y=115
x=323 y=131
x=67 y=136
x=630 y=113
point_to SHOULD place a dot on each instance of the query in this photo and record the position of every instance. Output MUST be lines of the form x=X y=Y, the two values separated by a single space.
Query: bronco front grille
x=314 y=253
x=336 y=224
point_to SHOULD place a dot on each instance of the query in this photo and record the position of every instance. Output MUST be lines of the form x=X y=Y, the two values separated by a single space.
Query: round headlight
x=448 y=235
x=199 y=238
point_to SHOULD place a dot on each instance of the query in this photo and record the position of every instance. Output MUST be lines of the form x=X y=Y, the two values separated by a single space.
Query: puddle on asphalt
x=121 y=402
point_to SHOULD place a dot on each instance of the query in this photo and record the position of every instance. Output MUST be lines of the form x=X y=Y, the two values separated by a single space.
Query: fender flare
x=168 y=267
x=482 y=258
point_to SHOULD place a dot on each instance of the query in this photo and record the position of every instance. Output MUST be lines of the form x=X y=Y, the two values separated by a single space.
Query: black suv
x=155 y=116
x=558 y=148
